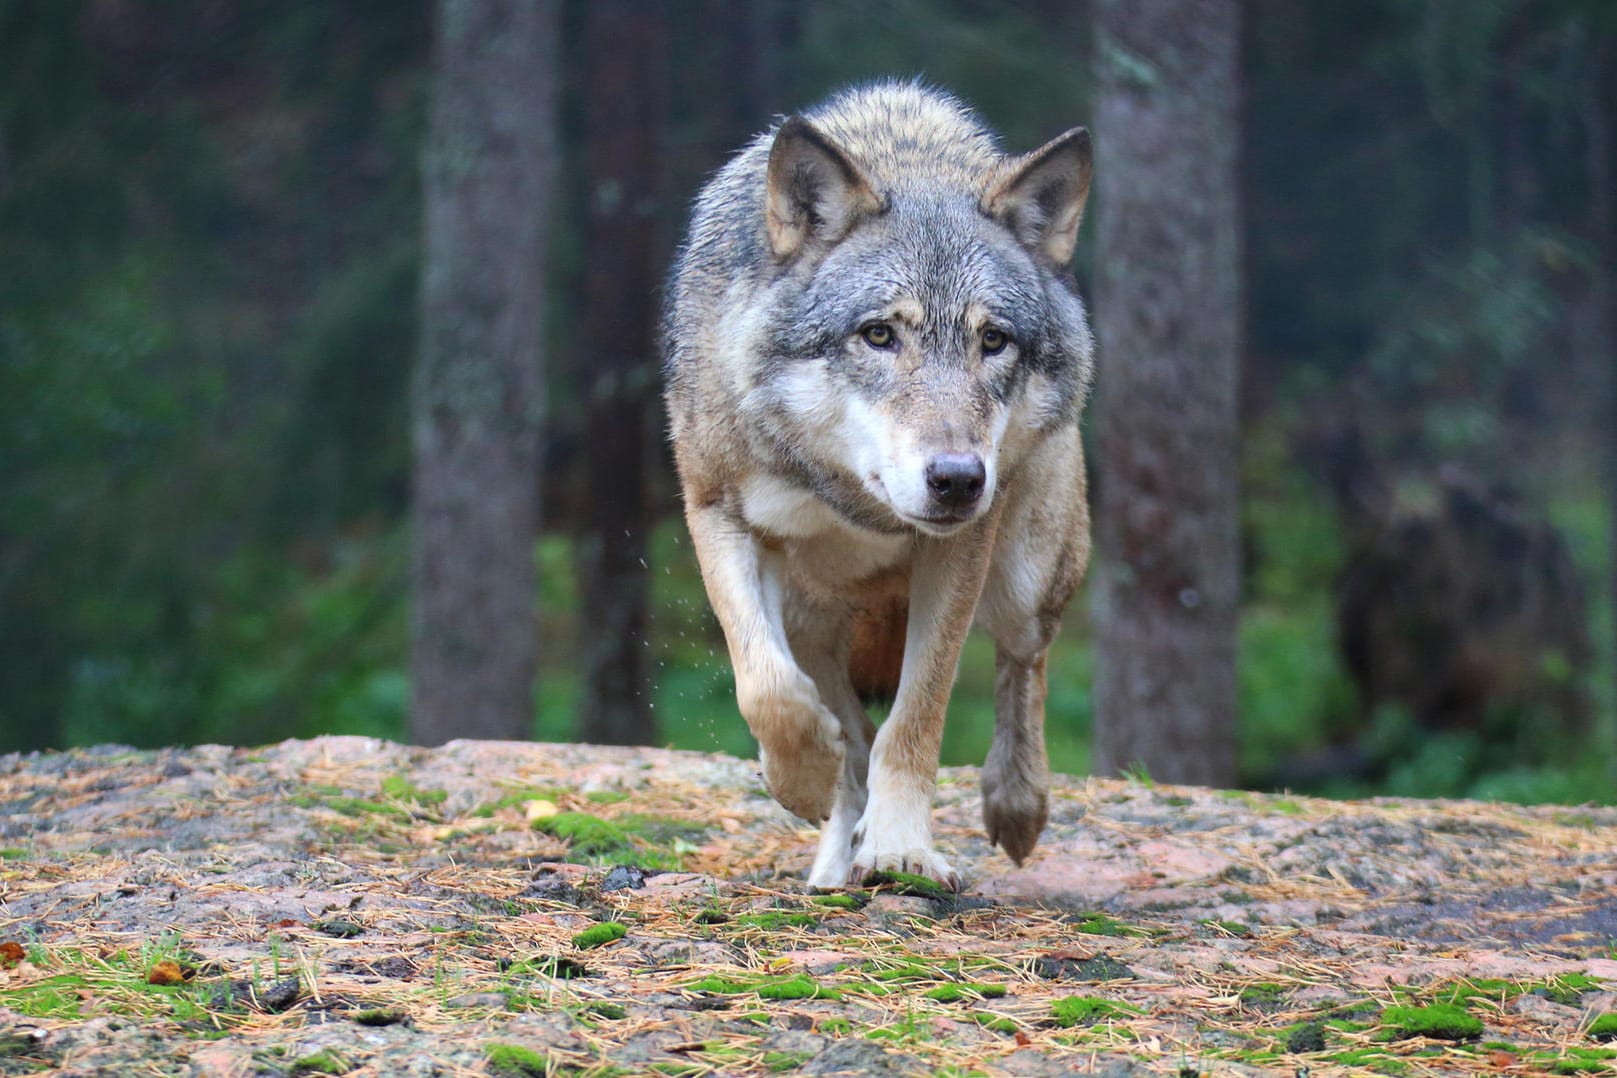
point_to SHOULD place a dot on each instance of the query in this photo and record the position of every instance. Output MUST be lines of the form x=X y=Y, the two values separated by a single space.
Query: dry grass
x=296 y=895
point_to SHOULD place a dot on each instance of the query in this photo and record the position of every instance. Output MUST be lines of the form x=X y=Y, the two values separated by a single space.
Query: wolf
x=875 y=365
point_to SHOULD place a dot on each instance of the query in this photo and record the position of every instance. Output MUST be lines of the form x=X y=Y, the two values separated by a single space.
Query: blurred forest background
x=210 y=243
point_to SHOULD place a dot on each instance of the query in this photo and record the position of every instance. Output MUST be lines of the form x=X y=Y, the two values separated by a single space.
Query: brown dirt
x=301 y=893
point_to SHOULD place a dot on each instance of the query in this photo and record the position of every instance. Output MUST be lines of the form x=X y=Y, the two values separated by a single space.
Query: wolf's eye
x=994 y=341
x=878 y=335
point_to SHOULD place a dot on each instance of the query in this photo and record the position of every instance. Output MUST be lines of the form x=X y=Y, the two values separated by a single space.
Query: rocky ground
x=348 y=906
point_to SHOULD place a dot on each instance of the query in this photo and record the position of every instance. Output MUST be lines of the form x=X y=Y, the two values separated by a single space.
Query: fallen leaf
x=1022 y=1039
x=538 y=810
x=11 y=953
x=169 y=972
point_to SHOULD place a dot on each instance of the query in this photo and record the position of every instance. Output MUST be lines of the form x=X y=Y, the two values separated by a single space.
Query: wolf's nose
x=956 y=479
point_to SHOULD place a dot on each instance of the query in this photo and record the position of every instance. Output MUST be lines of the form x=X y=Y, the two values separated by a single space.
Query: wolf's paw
x=1016 y=795
x=801 y=752
x=886 y=841
x=1014 y=816
x=920 y=861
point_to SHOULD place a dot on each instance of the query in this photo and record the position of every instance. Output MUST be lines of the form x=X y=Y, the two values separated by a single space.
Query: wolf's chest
x=817 y=538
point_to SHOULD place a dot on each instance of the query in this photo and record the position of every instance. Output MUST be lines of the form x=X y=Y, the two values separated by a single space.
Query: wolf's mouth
x=938 y=526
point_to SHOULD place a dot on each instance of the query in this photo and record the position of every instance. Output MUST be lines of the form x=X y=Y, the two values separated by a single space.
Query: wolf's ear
x=1041 y=199
x=814 y=190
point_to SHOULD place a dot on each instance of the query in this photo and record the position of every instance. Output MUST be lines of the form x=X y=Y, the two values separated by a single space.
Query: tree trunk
x=617 y=353
x=1601 y=168
x=1169 y=322
x=477 y=397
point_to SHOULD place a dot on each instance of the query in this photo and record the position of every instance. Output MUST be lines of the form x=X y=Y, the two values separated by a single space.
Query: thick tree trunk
x=486 y=177
x=617 y=356
x=1168 y=317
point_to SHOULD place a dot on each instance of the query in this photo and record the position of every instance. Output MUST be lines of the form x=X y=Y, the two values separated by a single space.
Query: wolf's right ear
x=814 y=190
x=1042 y=198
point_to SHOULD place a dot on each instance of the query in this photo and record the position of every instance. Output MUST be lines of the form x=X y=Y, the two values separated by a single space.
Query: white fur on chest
x=816 y=534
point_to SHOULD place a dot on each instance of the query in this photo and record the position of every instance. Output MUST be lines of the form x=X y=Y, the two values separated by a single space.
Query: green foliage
x=207 y=325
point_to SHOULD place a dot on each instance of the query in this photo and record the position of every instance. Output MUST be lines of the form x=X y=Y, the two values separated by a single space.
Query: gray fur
x=803 y=437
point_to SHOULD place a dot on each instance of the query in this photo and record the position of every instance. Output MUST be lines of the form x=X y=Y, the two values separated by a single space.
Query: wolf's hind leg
x=1038 y=560
x=1016 y=775
x=835 y=855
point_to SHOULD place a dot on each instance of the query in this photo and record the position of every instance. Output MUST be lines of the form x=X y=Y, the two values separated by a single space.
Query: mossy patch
x=556 y=967
x=380 y=1016
x=1568 y=988
x=1463 y=992
x=797 y=986
x=996 y=1022
x=780 y=1062
x=908 y=883
x=1576 y=1061
x=584 y=833
x=640 y=841
x=1087 y=1010
x=1604 y=1027
x=515 y=799
x=907 y=971
x=1440 y=1021
x=399 y=788
x=1100 y=924
x=771 y=920
x=334 y=800
x=1226 y=928
x=601 y=934
x=955 y=993
x=327 y=1061
x=509 y=1060
x=1374 y=1059
x=1263 y=994
x=842 y=902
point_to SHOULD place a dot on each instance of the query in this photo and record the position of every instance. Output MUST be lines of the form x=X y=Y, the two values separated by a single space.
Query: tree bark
x=487 y=170
x=617 y=355
x=1168 y=303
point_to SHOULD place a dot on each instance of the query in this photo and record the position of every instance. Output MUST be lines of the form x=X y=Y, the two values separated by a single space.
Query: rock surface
x=345 y=905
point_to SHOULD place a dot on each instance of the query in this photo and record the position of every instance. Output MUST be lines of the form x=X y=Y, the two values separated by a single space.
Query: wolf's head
x=921 y=329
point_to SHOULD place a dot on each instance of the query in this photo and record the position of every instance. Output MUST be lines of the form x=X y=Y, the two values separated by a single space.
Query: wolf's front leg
x=820 y=638
x=895 y=832
x=800 y=743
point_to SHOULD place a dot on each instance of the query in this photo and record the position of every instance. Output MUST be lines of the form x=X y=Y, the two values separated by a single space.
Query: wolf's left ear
x=814 y=190
x=1041 y=199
